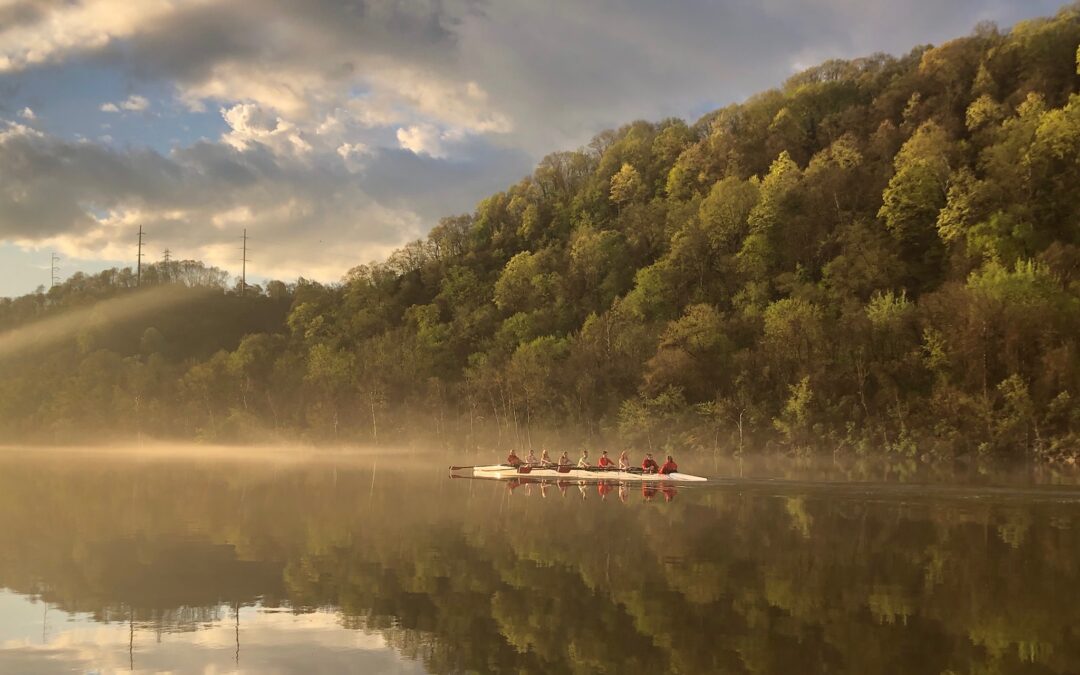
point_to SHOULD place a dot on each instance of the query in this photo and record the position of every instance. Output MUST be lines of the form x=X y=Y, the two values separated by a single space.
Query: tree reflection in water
x=529 y=577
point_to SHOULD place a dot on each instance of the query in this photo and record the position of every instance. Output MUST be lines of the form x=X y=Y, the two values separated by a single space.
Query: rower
x=583 y=463
x=605 y=462
x=564 y=459
x=624 y=461
x=513 y=460
x=649 y=465
x=544 y=459
x=530 y=459
x=669 y=466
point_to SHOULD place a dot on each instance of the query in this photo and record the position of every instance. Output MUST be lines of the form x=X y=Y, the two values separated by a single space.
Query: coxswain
x=513 y=460
x=605 y=462
x=649 y=465
x=564 y=459
x=583 y=463
x=530 y=459
x=669 y=466
x=624 y=461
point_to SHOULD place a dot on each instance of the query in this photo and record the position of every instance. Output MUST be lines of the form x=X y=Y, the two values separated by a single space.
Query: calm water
x=117 y=563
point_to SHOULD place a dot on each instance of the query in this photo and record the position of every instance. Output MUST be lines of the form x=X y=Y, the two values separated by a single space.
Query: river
x=192 y=560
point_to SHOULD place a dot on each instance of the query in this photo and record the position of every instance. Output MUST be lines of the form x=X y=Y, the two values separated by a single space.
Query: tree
x=626 y=185
x=915 y=195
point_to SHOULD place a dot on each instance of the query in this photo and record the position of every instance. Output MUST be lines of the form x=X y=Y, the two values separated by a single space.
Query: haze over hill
x=881 y=255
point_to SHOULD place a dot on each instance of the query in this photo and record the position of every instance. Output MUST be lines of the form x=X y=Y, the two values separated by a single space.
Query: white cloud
x=28 y=114
x=250 y=123
x=353 y=155
x=423 y=139
x=68 y=27
x=10 y=131
x=133 y=103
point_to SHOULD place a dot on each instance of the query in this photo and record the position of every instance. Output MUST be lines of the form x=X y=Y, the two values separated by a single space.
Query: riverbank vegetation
x=882 y=255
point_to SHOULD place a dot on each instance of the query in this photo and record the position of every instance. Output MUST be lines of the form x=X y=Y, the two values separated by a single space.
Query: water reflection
x=342 y=565
x=585 y=488
x=212 y=639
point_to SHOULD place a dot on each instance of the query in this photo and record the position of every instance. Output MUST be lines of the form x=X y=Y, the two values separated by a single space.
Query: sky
x=336 y=130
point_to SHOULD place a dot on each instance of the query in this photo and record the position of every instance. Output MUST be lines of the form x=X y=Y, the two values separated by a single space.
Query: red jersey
x=669 y=467
x=513 y=460
x=649 y=465
x=604 y=461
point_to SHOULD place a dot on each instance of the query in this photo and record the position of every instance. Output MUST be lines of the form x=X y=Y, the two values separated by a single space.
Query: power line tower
x=54 y=269
x=138 y=263
x=166 y=268
x=243 y=266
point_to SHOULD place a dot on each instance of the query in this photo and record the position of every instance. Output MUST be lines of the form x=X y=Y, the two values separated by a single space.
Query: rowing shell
x=505 y=471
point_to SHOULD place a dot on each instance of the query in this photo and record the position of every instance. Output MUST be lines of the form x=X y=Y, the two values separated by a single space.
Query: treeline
x=881 y=255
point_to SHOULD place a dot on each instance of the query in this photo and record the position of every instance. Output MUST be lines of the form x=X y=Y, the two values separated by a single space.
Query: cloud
x=133 y=103
x=539 y=76
x=426 y=139
x=28 y=114
x=251 y=123
x=315 y=212
x=46 y=31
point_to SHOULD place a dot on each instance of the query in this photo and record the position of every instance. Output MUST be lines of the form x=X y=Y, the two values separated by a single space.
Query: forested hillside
x=882 y=255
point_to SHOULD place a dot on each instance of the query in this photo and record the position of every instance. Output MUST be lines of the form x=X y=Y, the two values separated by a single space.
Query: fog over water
x=285 y=559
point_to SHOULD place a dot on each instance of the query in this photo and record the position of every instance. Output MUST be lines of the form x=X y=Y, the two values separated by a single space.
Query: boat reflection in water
x=530 y=486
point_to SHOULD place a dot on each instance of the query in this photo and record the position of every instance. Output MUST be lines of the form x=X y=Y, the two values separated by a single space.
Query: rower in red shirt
x=513 y=460
x=669 y=466
x=604 y=462
x=649 y=465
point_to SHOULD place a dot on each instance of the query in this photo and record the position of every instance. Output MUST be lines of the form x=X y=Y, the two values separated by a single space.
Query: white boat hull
x=505 y=472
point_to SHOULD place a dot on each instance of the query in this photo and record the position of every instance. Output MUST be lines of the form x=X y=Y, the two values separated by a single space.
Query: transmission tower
x=165 y=256
x=54 y=269
x=138 y=263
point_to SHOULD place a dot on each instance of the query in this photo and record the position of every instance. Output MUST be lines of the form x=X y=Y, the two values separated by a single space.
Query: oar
x=477 y=466
x=558 y=469
x=609 y=469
